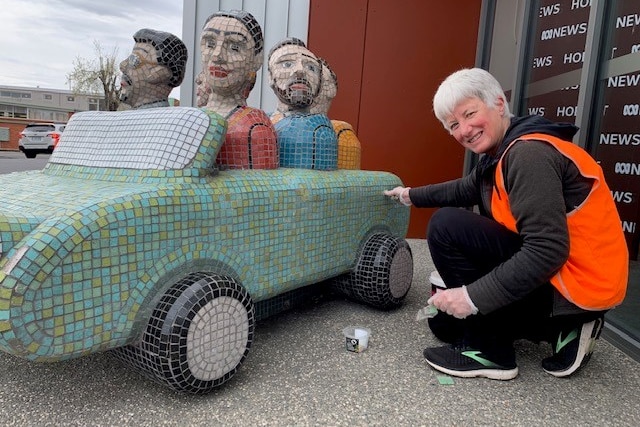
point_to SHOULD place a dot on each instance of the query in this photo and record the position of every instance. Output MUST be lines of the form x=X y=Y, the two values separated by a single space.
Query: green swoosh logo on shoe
x=563 y=342
x=475 y=355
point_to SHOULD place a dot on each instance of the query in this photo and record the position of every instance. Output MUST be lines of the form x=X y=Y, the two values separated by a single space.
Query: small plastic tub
x=356 y=338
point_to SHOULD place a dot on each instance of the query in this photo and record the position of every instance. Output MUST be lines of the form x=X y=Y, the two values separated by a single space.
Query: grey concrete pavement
x=298 y=373
x=15 y=161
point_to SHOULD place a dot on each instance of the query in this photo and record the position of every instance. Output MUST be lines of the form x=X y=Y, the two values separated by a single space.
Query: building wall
x=506 y=42
x=278 y=18
x=15 y=126
x=48 y=99
x=390 y=58
x=39 y=105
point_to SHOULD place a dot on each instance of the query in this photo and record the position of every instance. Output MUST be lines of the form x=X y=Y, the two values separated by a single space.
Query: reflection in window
x=617 y=136
x=557 y=51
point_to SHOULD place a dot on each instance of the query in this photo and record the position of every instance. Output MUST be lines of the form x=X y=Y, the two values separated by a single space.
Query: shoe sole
x=493 y=374
x=585 y=348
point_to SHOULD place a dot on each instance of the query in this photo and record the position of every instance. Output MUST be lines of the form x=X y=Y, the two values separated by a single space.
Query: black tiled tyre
x=383 y=273
x=198 y=335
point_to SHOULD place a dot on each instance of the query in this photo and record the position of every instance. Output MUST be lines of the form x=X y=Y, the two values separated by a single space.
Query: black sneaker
x=573 y=349
x=467 y=362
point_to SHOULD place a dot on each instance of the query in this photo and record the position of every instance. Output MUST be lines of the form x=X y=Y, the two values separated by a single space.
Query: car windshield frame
x=41 y=127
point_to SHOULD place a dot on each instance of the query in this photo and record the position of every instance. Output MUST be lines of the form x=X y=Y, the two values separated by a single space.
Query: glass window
x=20 y=112
x=594 y=43
x=556 y=46
x=60 y=117
x=615 y=139
x=94 y=104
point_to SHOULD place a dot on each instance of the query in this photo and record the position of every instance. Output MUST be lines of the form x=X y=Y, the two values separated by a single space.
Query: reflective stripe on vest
x=595 y=275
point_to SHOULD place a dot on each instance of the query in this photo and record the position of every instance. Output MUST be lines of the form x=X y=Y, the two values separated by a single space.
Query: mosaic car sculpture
x=130 y=241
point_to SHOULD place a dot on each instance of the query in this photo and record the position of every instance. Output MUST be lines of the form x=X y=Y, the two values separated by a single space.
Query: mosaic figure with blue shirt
x=306 y=140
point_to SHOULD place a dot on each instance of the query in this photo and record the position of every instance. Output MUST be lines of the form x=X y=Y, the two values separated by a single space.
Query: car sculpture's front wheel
x=198 y=335
x=383 y=273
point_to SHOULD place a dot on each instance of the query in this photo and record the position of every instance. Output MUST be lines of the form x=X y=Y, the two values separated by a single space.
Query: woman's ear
x=500 y=103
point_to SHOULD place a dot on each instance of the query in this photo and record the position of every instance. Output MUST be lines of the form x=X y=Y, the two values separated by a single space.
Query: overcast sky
x=41 y=38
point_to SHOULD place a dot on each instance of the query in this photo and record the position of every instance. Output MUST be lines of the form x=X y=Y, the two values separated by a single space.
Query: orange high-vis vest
x=595 y=275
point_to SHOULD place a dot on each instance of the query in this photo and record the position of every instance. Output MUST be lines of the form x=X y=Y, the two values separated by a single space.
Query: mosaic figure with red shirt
x=231 y=47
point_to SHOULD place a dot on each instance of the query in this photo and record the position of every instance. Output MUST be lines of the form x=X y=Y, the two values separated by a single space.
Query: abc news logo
x=631 y=110
x=623 y=168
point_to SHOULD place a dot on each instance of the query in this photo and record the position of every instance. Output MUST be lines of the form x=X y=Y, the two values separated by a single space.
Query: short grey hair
x=464 y=84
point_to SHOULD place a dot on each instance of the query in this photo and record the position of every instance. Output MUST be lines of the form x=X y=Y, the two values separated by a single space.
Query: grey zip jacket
x=543 y=186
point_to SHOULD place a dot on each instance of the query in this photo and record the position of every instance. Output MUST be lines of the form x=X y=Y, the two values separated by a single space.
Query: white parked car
x=40 y=138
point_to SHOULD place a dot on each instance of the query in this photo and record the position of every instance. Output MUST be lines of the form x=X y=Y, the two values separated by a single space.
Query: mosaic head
x=231 y=46
x=295 y=73
x=328 y=90
x=156 y=65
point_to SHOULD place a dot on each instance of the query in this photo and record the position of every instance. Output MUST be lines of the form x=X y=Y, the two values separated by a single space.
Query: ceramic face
x=295 y=75
x=142 y=76
x=228 y=56
x=328 y=91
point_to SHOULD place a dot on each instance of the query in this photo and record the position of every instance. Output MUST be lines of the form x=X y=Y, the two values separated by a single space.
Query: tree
x=100 y=76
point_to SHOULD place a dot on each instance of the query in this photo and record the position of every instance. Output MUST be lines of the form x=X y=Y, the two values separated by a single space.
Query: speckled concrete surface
x=299 y=374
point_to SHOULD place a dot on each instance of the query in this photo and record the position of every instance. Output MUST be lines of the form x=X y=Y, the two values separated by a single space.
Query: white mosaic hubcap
x=217 y=338
x=399 y=280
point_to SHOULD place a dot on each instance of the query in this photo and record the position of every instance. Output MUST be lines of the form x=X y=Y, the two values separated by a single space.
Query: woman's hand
x=454 y=301
x=400 y=194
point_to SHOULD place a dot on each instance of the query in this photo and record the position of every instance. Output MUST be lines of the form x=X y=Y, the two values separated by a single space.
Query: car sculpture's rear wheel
x=383 y=273
x=198 y=335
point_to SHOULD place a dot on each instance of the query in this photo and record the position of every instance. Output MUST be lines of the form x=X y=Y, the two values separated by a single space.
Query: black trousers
x=465 y=246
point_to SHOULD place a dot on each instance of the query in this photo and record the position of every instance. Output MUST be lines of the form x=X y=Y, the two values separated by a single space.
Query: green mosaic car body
x=89 y=249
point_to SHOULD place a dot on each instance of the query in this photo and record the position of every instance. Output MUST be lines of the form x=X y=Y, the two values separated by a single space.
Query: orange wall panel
x=390 y=58
x=337 y=31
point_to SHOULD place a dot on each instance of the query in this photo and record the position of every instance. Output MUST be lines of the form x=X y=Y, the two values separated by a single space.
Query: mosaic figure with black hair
x=155 y=66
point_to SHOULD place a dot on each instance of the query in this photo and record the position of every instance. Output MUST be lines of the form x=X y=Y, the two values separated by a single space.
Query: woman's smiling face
x=478 y=126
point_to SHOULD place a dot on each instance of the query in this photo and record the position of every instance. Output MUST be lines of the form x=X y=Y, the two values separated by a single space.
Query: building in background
x=44 y=104
x=22 y=105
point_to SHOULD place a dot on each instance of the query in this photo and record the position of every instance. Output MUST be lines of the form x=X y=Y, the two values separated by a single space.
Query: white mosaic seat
x=159 y=138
